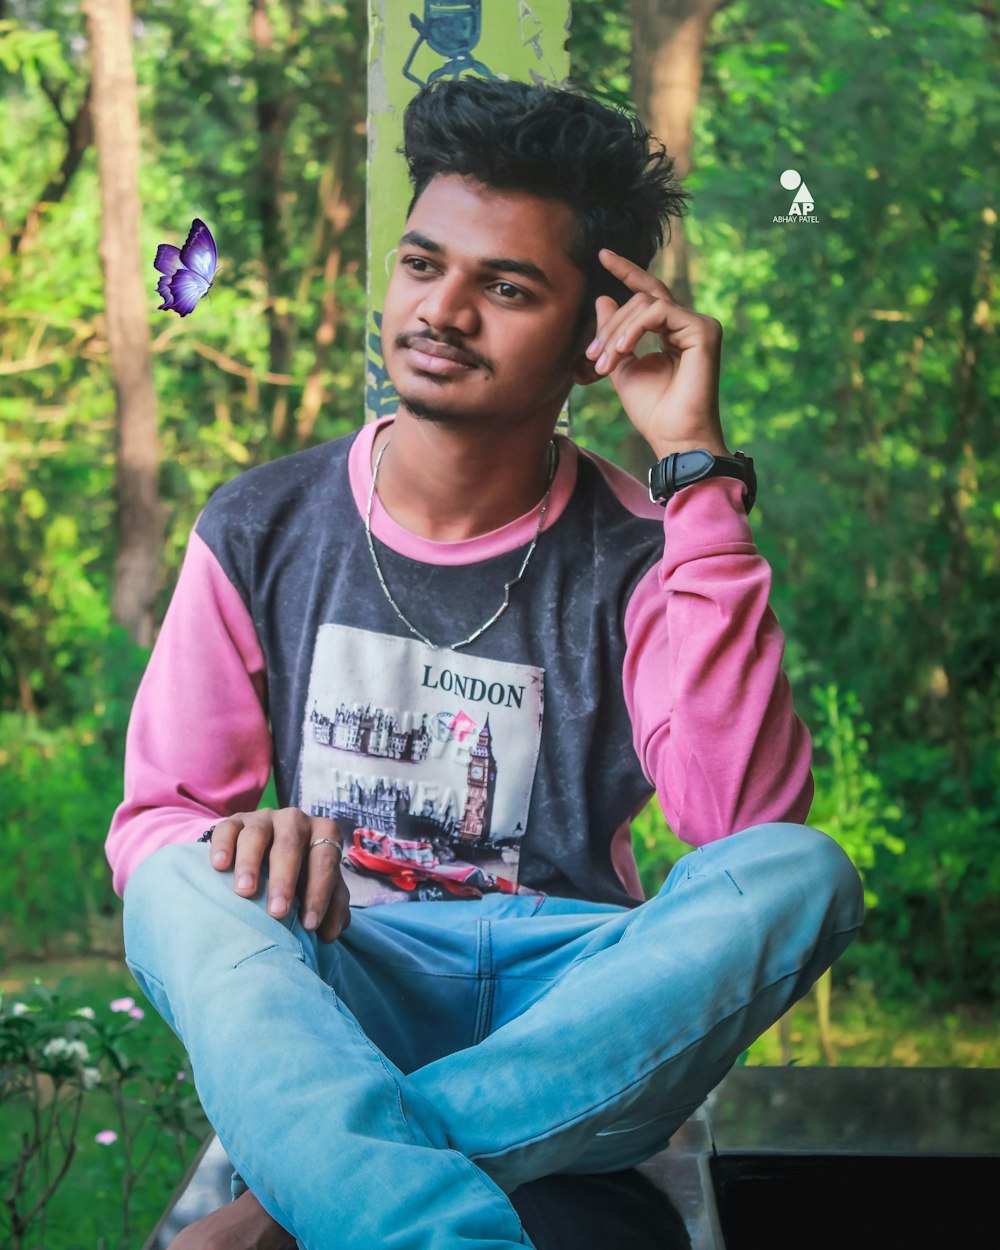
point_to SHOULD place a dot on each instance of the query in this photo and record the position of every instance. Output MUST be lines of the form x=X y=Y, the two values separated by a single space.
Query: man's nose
x=449 y=304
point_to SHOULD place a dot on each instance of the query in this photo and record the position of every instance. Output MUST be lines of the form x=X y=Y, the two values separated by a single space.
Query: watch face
x=476 y=772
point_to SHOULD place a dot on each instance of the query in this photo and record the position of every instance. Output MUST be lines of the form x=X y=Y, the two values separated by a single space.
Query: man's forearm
x=711 y=707
x=198 y=745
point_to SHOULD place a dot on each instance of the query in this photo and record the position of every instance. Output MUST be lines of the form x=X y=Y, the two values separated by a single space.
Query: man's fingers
x=303 y=855
x=610 y=326
x=655 y=316
x=613 y=321
x=678 y=328
x=338 y=915
x=607 y=345
x=251 y=847
x=634 y=276
x=288 y=850
x=605 y=309
x=323 y=874
x=224 y=837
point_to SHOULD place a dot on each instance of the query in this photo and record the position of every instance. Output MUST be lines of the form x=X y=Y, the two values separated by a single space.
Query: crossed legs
x=599 y=1047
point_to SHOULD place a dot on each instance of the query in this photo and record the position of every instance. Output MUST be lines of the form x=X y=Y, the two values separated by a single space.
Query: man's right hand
x=286 y=837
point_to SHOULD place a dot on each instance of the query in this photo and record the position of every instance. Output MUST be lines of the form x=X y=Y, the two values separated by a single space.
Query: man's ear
x=582 y=371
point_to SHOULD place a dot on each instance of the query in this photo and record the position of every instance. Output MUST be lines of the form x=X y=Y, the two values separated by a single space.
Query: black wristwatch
x=682 y=468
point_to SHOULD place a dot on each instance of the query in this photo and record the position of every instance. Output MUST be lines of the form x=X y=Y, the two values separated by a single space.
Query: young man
x=470 y=651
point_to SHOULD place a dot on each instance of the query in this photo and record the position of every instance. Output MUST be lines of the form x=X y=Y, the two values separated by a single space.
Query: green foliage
x=599 y=47
x=859 y=369
x=67 y=673
x=58 y=788
x=937 y=929
x=61 y=773
x=850 y=804
x=656 y=847
x=62 y=1061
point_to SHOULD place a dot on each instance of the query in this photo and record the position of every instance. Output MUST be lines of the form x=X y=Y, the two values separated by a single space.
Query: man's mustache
x=468 y=356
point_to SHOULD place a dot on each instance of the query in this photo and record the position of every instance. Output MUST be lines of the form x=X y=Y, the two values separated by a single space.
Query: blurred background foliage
x=859 y=369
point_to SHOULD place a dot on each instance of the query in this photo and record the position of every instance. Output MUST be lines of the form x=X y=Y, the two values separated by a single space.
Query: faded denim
x=391 y=1088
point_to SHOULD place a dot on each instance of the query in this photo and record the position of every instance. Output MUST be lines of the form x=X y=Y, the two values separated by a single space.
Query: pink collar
x=509 y=537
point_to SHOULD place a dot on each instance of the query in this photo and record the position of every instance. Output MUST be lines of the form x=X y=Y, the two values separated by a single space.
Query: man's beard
x=421 y=410
x=424 y=411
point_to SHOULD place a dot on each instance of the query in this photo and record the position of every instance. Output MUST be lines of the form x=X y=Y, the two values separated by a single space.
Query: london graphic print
x=426 y=760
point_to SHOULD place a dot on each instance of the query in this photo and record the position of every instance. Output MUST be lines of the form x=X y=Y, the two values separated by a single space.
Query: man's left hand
x=671 y=396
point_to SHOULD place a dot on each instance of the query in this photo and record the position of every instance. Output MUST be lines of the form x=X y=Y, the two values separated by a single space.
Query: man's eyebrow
x=503 y=264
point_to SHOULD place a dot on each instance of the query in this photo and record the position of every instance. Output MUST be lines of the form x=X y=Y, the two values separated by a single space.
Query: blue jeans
x=392 y=1087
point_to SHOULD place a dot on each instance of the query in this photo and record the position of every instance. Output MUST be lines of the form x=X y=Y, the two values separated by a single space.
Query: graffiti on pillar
x=452 y=31
x=380 y=394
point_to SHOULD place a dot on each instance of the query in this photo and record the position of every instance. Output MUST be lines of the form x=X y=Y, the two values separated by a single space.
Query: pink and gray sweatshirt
x=638 y=652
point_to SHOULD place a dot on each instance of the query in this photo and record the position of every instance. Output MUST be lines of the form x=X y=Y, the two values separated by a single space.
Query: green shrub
x=63 y=1062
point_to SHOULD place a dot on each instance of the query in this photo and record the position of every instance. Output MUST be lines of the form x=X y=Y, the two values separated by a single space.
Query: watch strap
x=684 y=468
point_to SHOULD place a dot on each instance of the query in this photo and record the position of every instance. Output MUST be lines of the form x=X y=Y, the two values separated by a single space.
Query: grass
x=86 y=1212
x=866 y=1033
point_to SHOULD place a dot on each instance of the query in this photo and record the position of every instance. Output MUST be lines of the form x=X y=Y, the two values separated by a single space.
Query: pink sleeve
x=711 y=709
x=198 y=746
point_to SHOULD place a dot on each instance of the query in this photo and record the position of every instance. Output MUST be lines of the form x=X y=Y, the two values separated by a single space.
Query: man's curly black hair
x=555 y=143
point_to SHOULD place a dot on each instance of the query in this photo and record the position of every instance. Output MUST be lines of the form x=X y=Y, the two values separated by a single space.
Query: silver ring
x=331 y=841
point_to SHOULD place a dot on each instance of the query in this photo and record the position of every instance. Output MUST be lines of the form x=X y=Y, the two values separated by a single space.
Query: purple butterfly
x=190 y=270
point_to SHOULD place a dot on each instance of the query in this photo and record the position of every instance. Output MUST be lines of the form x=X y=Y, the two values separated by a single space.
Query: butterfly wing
x=186 y=289
x=188 y=271
x=167 y=261
x=199 y=253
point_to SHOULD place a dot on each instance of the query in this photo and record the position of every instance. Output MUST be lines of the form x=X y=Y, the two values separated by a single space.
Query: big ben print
x=480 y=788
x=400 y=745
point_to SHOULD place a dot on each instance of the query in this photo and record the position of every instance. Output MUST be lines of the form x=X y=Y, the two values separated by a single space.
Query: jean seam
x=381 y=1059
x=664 y=1115
x=137 y=967
x=253 y=955
x=851 y=929
x=485 y=1179
x=485 y=975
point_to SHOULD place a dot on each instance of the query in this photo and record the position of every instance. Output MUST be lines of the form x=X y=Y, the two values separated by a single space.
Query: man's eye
x=411 y=261
x=507 y=291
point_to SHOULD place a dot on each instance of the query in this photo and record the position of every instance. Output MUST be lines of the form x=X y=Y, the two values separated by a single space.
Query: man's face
x=481 y=306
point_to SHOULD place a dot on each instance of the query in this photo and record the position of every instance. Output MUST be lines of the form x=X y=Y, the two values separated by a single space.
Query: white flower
x=63 y=1048
x=90 y=1077
x=86 y=1013
x=20 y=1009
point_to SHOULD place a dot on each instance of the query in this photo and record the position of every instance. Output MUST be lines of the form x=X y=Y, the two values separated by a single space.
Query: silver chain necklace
x=506 y=590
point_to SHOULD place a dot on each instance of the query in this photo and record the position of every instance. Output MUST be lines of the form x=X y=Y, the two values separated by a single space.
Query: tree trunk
x=340 y=197
x=668 y=37
x=116 y=130
x=275 y=110
x=823 y=989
